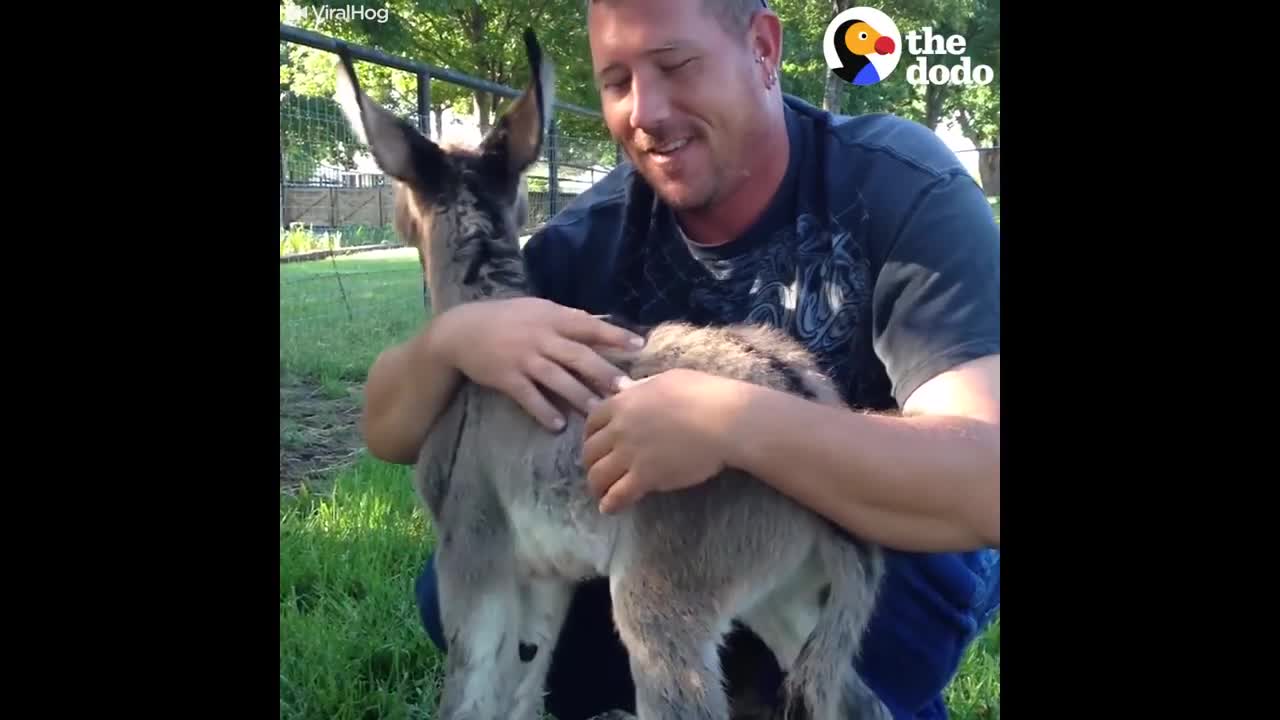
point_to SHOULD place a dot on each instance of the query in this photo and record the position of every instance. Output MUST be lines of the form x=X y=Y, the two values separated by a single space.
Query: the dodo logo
x=862 y=46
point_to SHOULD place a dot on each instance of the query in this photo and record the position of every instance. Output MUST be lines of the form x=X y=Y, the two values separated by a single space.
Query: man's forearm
x=408 y=388
x=917 y=484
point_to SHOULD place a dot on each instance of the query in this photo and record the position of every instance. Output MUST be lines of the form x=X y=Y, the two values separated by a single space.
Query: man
x=864 y=237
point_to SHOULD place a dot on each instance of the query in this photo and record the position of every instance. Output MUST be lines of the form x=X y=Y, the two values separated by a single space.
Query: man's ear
x=399 y=149
x=517 y=137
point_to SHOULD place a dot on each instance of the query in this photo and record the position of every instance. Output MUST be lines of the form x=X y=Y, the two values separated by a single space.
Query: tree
x=974 y=109
x=482 y=38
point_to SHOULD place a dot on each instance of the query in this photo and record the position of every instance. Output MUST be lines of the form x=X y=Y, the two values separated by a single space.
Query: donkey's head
x=462 y=207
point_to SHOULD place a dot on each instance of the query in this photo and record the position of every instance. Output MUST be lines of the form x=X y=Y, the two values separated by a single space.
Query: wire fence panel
x=348 y=288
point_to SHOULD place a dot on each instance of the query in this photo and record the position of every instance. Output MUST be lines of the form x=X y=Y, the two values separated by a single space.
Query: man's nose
x=650 y=106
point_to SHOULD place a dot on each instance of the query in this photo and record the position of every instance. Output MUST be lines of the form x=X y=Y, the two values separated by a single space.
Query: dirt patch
x=319 y=431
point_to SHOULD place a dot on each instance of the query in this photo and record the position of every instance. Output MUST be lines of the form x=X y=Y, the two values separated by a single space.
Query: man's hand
x=664 y=433
x=515 y=346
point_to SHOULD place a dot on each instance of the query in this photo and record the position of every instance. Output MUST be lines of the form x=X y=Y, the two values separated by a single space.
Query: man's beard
x=691 y=193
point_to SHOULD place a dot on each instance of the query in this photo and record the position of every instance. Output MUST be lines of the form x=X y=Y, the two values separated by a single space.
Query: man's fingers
x=595 y=447
x=605 y=472
x=598 y=418
x=527 y=395
x=558 y=380
x=622 y=493
x=591 y=330
x=586 y=362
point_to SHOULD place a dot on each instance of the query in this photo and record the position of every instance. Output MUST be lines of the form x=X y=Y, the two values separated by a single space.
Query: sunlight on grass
x=351 y=644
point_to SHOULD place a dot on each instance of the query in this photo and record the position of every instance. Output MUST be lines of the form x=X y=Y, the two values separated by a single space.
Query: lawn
x=336 y=314
x=352 y=536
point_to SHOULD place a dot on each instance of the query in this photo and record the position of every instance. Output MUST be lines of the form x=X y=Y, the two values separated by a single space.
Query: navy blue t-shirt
x=881 y=254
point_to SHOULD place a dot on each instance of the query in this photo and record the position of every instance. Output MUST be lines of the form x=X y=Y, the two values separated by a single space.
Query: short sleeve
x=937 y=296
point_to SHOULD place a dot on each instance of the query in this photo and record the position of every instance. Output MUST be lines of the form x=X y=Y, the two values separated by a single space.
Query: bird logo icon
x=862 y=46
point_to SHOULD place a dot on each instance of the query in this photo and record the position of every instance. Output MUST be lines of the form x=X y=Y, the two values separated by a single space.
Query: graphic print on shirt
x=805 y=280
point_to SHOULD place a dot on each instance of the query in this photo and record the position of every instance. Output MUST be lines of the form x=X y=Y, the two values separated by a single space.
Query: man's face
x=678 y=94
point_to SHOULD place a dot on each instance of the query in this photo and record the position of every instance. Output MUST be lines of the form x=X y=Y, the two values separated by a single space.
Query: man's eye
x=673 y=68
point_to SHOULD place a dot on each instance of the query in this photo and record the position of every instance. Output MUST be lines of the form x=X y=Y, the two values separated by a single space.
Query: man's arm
x=409 y=385
x=928 y=480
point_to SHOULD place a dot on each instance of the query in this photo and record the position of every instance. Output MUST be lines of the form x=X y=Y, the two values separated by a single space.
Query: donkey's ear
x=399 y=149
x=518 y=136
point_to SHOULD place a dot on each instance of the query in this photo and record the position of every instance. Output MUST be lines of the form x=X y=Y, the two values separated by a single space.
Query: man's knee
x=426 y=591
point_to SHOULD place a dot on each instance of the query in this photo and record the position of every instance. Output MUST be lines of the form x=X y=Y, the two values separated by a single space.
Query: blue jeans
x=590 y=673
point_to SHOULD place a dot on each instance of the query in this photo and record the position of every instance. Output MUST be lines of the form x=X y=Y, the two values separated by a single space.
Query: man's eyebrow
x=656 y=50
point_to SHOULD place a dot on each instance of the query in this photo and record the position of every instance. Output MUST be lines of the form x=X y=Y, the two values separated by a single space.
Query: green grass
x=337 y=314
x=351 y=644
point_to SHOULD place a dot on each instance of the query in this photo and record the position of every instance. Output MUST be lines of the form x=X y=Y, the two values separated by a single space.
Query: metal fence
x=337 y=311
x=324 y=187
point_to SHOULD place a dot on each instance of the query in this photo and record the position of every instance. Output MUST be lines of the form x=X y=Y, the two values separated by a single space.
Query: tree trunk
x=476 y=22
x=481 y=110
x=835 y=86
x=834 y=93
x=989 y=171
x=934 y=99
x=439 y=113
x=988 y=159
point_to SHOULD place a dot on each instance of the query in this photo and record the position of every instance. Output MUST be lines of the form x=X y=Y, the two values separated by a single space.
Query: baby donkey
x=517 y=526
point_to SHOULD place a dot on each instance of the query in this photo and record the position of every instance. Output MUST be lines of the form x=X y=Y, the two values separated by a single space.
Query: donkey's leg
x=545 y=604
x=480 y=609
x=673 y=638
x=481 y=665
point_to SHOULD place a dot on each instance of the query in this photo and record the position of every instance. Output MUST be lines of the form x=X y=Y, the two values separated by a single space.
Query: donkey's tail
x=823 y=684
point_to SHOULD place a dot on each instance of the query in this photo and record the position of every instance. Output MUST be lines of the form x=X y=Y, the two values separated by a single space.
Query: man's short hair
x=734 y=15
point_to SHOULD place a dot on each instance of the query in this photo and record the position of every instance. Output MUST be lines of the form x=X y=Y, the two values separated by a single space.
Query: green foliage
x=300 y=238
x=805 y=73
x=482 y=38
x=478 y=37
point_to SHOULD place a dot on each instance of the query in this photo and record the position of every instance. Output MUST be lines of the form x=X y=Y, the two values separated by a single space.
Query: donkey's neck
x=479 y=262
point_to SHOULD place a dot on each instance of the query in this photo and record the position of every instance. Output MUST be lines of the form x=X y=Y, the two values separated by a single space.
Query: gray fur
x=518 y=530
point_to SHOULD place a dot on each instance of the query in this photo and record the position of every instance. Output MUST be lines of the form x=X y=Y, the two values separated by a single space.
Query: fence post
x=424 y=102
x=553 y=169
x=283 y=179
x=424 y=124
